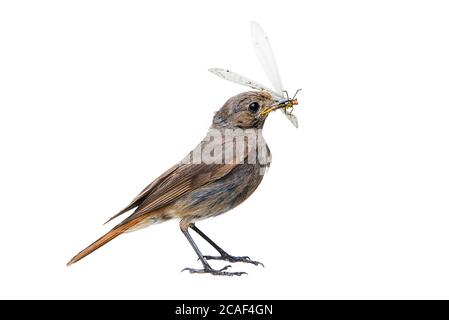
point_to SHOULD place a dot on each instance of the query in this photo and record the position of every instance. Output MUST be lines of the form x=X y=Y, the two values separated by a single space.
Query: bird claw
x=232 y=259
x=220 y=272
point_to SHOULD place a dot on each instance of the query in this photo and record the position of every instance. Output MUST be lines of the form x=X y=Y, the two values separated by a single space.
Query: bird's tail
x=115 y=232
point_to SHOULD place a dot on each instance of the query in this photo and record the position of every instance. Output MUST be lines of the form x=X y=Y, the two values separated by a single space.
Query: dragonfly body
x=286 y=105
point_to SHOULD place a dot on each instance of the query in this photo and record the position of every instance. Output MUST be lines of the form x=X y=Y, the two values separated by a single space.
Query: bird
x=205 y=184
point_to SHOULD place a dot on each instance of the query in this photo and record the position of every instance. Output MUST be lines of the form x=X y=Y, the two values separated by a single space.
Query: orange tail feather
x=115 y=232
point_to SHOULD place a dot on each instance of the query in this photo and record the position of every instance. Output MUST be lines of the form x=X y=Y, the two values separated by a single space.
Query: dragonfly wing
x=236 y=78
x=290 y=116
x=265 y=55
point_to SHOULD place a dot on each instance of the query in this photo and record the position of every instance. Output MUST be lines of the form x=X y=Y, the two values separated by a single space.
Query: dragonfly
x=265 y=54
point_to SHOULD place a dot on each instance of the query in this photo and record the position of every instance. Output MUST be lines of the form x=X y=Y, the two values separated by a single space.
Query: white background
x=97 y=98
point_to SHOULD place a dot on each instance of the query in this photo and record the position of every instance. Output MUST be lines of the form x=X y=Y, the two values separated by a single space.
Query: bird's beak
x=283 y=103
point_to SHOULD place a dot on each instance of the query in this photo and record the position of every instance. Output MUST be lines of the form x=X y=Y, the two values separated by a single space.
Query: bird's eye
x=254 y=106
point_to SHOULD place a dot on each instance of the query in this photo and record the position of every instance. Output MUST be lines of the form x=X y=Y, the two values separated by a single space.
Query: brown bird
x=219 y=174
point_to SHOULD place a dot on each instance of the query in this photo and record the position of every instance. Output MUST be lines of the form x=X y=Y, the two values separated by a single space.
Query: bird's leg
x=223 y=254
x=206 y=267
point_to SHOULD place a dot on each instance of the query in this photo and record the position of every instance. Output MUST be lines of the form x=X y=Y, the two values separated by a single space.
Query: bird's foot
x=220 y=272
x=227 y=257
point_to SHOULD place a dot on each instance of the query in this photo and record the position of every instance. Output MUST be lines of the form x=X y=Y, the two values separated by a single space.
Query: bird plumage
x=192 y=191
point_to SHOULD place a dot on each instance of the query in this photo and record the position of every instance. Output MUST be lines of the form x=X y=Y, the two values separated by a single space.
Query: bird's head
x=246 y=110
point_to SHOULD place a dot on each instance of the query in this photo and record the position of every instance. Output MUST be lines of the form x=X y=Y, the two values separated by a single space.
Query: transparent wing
x=291 y=117
x=265 y=55
x=236 y=78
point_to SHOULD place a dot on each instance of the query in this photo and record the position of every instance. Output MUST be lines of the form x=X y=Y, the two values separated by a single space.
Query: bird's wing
x=180 y=179
x=185 y=178
x=144 y=193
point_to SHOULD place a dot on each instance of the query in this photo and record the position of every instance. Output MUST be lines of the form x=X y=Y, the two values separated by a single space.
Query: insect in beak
x=281 y=104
